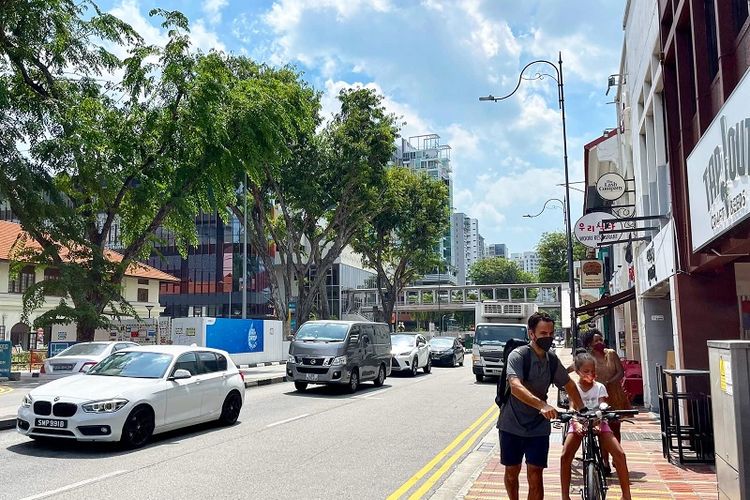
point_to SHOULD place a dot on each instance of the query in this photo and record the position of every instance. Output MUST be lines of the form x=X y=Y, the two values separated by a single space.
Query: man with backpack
x=524 y=412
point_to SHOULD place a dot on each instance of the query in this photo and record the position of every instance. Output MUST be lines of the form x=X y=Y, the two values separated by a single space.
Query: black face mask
x=544 y=343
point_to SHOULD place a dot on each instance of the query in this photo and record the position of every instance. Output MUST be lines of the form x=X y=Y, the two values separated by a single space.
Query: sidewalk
x=651 y=476
x=12 y=392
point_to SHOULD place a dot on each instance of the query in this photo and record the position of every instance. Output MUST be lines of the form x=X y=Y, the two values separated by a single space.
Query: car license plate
x=51 y=423
x=62 y=368
x=311 y=376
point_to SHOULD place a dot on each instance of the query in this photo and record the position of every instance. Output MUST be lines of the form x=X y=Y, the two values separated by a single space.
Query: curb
x=7 y=423
x=260 y=365
x=465 y=474
x=265 y=381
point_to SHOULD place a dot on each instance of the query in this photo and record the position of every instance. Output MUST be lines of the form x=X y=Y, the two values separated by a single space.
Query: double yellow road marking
x=5 y=389
x=474 y=432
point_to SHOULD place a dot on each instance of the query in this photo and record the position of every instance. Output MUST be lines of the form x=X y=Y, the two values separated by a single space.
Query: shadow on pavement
x=335 y=391
x=67 y=448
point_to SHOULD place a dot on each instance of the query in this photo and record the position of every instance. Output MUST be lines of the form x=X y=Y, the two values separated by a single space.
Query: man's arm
x=521 y=393
x=575 y=397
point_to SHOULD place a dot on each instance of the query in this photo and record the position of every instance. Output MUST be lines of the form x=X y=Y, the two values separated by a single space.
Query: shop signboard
x=610 y=186
x=718 y=171
x=588 y=229
x=592 y=274
x=656 y=262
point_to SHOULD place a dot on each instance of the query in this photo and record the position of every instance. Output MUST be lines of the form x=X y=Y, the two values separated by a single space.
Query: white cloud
x=411 y=122
x=213 y=8
x=202 y=38
x=464 y=143
x=493 y=37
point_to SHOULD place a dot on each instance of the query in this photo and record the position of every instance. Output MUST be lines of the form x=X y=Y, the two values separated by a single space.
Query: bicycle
x=594 y=476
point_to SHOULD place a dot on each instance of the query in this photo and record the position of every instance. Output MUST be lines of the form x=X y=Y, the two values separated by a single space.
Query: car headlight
x=405 y=353
x=26 y=403
x=291 y=359
x=339 y=361
x=476 y=359
x=104 y=406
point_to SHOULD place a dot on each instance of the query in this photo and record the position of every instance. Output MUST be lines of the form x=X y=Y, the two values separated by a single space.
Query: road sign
x=5 y=351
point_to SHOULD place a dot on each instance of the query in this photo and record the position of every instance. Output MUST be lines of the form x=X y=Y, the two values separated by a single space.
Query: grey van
x=339 y=352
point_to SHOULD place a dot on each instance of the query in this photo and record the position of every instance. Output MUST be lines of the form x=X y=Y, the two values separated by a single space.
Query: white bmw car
x=79 y=358
x=135 y=393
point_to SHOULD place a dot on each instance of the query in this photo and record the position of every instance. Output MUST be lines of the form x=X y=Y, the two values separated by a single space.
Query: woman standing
x=609 y=372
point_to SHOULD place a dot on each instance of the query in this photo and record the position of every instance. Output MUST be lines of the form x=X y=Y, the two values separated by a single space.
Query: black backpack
x=503 y=388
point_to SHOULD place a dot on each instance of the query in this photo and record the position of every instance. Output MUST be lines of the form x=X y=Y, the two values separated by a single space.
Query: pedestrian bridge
x=449 y=298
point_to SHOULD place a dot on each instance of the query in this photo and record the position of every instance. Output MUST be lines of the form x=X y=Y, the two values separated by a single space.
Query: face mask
x=598 y=347
x=544 y=343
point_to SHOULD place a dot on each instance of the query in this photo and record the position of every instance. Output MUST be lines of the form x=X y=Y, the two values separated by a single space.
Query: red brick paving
x=651 y=476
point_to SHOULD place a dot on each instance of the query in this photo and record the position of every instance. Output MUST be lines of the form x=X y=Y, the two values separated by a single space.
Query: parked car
x=446 y=351
x=410 y=353
x=135 y=393
x=339 y=352
x=79 y=358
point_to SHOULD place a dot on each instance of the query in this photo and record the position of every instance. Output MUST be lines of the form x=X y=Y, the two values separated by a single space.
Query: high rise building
x=468 y=244
x=425 y=154
x=527 y=261
x=497 y=250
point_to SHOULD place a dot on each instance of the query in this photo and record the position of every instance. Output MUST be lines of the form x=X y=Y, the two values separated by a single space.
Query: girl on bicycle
x=592 y=393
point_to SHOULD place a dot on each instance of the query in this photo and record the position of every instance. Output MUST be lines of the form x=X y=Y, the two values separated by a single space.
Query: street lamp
x=528 y=216
x=561 y=102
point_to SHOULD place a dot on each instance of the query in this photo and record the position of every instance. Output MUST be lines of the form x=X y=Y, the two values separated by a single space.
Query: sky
x=431 y=60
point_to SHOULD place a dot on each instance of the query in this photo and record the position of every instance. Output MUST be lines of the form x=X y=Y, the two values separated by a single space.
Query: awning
x=605 y=303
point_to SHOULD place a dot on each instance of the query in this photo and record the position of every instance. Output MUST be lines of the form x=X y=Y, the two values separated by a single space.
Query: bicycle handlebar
x=595 y=414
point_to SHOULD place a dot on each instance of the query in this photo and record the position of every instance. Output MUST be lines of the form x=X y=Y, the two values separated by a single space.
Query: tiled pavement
x=651 y=476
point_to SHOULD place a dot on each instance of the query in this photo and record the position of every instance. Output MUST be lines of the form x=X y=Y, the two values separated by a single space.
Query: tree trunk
x=85 y=333
x=325 y=310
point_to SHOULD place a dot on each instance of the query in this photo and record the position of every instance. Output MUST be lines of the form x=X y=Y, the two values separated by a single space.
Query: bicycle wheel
x=591 y=483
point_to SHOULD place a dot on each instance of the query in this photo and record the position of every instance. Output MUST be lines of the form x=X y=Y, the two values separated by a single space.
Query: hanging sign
x=610 y=186
x=588 y=229
x=592 y=274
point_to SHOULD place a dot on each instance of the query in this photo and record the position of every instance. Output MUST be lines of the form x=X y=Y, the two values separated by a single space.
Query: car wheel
x=138 y=427
x=414 y=367
x=480 y=378
x=381 y=377
x=353 y=382
x=428 y=367
x=300 y=386
x=230 y=410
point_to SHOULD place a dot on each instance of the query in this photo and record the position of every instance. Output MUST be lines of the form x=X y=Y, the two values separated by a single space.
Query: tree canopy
x=553 y=257
x=398 y=241
x=90 y=141
x=496 y=270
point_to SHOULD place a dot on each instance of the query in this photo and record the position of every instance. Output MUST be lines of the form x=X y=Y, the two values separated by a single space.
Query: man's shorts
x=513 y=448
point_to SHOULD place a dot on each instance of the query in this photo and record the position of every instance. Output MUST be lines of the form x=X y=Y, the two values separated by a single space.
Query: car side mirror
x=180 y=374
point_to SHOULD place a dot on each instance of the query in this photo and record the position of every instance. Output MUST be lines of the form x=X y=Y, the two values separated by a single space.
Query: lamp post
x=561 y=103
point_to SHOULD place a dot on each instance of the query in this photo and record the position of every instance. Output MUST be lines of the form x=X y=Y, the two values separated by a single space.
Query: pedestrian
x=592 y=393
x=609 y=372
x=524 y=422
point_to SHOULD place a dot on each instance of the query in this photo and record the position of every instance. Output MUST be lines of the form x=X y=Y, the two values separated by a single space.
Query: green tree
x=497 y=270
x=399 y=239
x=81 y=153
x=311 y=205
x=553 y=257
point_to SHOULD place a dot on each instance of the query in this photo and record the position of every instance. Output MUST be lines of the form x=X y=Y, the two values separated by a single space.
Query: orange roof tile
x=11 y=233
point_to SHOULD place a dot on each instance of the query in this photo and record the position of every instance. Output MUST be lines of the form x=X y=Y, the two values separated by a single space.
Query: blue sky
x=432 y=59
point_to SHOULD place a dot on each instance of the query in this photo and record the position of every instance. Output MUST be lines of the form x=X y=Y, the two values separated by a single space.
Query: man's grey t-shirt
x=519 y=418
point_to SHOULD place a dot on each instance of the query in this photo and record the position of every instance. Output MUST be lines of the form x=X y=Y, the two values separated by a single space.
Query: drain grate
x=641 y=436
x=485 y=447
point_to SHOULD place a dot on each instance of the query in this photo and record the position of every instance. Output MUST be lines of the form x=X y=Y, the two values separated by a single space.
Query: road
x=320 y=444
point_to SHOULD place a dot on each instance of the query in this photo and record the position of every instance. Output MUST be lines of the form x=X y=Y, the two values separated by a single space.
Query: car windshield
x=84 y=349
x=498 y=334
x=328 y=332
x=403 y=340
x=133 y=365
x=442 y=342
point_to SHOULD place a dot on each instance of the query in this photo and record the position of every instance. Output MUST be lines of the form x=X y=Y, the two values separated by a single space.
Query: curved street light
x=558 y=77
x=528 y=216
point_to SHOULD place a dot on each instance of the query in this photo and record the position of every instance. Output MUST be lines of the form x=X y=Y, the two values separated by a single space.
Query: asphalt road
x=320 y=444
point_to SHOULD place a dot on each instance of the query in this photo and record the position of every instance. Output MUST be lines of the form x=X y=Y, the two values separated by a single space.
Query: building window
x=143 y=295
x=52 y=274
x=712 y=46
x=142 y=281
x=739 y=14
x=26 y=277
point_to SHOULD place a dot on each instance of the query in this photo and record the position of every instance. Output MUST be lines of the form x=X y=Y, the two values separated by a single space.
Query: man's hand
x=548 y=411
